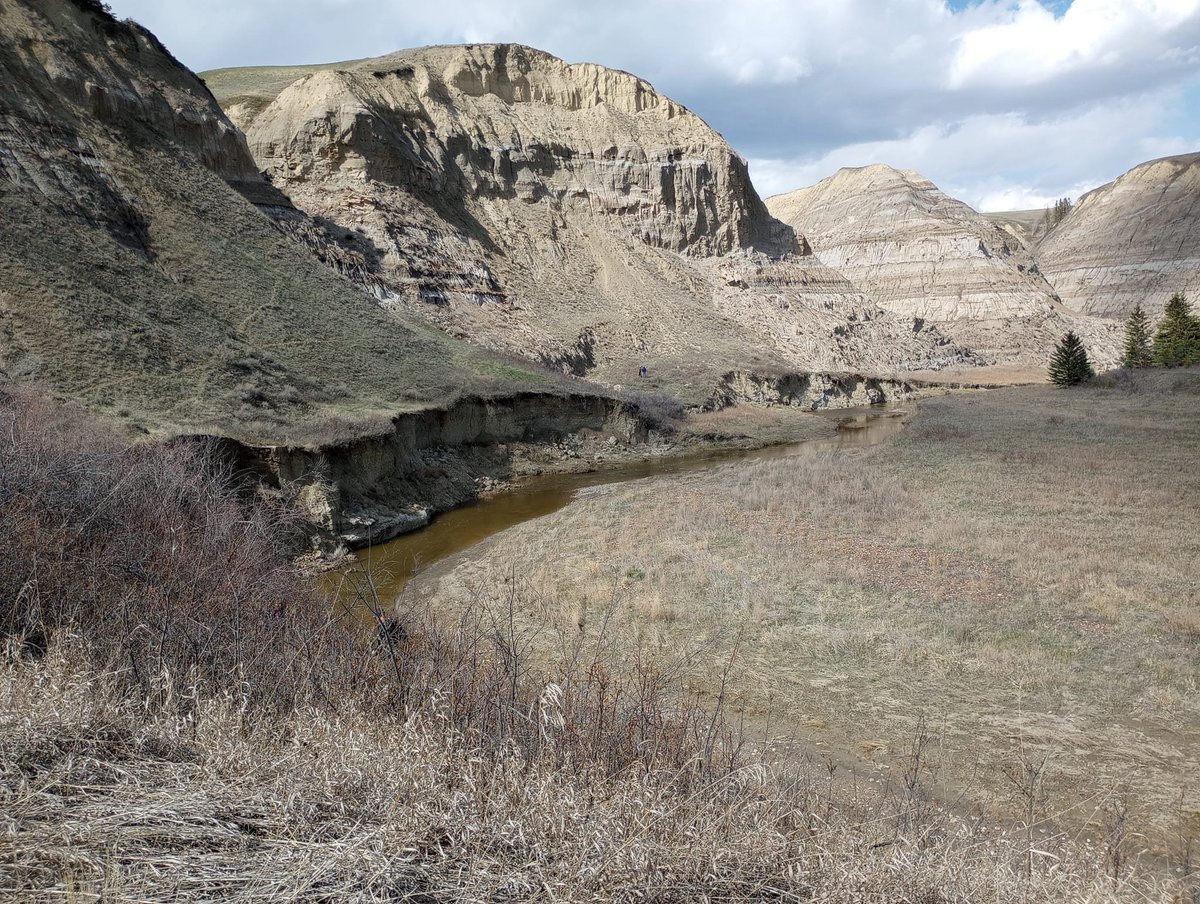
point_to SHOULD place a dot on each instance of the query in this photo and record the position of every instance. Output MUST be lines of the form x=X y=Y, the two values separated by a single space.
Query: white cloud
x=1000 y=162
x=1032 y=46
x=1001 y=100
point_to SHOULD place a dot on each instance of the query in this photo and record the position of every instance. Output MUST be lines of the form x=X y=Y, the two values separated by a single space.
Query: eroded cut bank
x=373 y=488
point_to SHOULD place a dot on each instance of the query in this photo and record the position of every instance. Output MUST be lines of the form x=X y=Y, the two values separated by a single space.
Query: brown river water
x=395 y=562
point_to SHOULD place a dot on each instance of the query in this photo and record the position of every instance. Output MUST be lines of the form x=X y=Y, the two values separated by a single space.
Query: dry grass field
x=1015 y=576
x=183 y=718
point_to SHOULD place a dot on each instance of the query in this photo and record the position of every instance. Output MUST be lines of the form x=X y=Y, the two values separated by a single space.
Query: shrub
x=169 y=578
x=662 y=410
x=148 y=553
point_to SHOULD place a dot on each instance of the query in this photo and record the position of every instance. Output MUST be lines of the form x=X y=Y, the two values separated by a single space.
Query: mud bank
x=374 y=488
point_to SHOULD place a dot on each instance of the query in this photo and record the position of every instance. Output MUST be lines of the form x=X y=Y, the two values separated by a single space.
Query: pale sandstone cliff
x=1133 y=241
x=568 y=213
x=915 y=251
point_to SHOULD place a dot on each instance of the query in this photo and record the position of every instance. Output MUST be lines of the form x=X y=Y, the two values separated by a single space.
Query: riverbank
x=545 y=491
x=183 y=717
x=368 y=488
x=1014 y=576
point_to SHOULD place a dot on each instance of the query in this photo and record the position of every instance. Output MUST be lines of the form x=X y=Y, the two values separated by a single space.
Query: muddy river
x=394 y=563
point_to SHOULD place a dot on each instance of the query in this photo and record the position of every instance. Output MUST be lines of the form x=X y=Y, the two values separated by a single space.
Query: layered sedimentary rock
x=55 y=99
x=568 y=213
x=1028 y=226
x=915 y=251
x=136 y=278
x=1133 y=241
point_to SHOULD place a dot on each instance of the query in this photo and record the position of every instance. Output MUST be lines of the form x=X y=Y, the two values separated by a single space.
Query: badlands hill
x=566 y=212
x=1136 y=239
x=136 y=278
x=1029 y=226
x=918 y=252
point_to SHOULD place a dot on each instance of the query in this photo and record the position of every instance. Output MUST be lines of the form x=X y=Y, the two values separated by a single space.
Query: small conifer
x=1178 y=338
x=1137 y=340
x=1070 y=364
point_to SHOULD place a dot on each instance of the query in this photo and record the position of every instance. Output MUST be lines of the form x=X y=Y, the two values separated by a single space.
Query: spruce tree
x=1137 y=340
x=1070 y=364
x=1056 y=214
x=1178 y=338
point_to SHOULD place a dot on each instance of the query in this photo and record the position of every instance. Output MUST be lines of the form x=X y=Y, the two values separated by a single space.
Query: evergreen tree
x=1056 y=214
x=1178 y=338
x=1070 y=364
x=1137 y=340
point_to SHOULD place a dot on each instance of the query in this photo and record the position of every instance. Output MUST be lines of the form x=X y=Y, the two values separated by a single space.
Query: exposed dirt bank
x=376 y=487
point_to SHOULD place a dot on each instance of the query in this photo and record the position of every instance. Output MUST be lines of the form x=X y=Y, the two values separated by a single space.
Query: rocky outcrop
x=566 y=213
x=917 y=252
x=1027 y=226
x=56 y=98
x=372 y=488
x=507 y=122
x=128 y=80
x=1133 y=241
x=913 y=249
x=824 y=320
x=813 y=392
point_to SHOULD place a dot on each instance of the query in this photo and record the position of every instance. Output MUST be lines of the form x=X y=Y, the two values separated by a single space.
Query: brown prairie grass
x=250 y=752
x=105 y=799
x=1019 y=568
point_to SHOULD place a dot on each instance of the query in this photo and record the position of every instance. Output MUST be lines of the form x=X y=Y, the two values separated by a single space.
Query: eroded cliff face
x=912 y=248
x=505 y=122
x=915 y=251
x=370 y=489
x=71 y=76
x=137 y=279
x=812 y=392
x=1133 y=241
x=566 y=213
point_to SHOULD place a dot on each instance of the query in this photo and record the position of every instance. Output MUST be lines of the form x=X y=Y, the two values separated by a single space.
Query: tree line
x=1056 y=214
x=1175 y=343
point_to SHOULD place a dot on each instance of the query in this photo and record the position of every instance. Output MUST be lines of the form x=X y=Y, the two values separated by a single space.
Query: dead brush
x=105 y=798
x=149 y=554
x=201 y=726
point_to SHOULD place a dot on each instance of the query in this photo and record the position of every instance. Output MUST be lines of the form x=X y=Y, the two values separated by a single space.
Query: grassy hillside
x=137 y=281
x=223 y=326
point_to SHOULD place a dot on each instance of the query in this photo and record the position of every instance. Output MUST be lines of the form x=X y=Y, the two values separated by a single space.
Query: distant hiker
x=643 y=371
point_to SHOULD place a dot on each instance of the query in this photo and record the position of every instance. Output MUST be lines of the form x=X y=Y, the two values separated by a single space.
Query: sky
x=1005 y=104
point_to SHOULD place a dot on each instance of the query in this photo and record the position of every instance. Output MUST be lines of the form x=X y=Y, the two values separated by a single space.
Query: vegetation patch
x=1016 y=568
x=183 y=717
